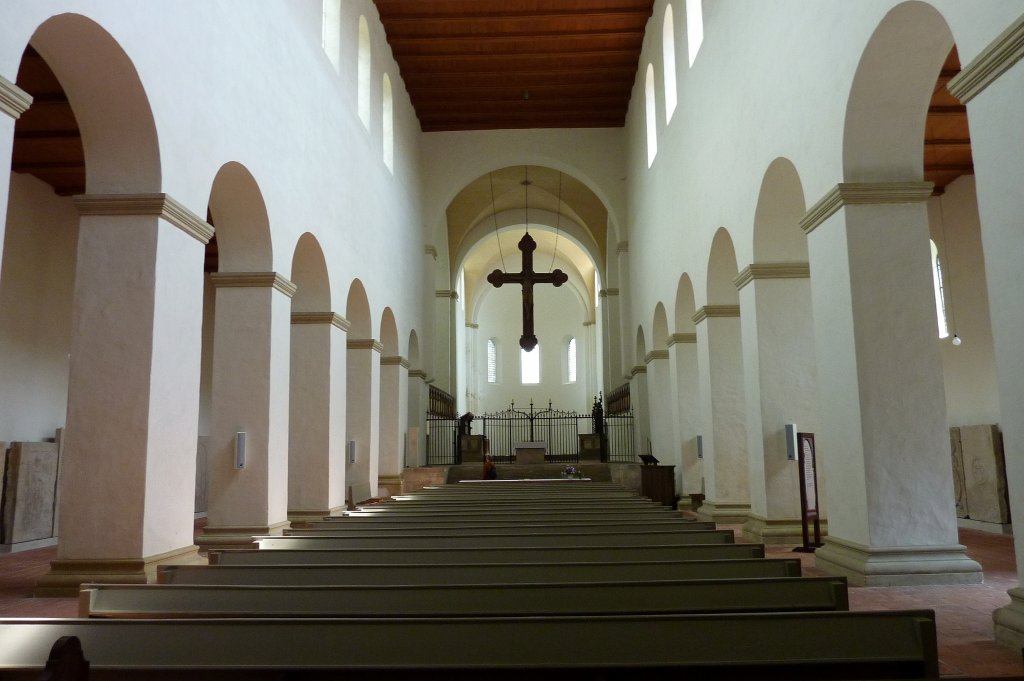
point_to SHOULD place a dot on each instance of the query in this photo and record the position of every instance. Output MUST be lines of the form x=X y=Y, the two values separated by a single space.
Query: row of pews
x=580 y=579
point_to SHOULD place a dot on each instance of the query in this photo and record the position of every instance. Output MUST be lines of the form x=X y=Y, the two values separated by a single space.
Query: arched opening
x=416 y=439
x=316 y=467
x=899 y=433
x=659 y=391
x=779 y=366
x=651 y=113
x=388 y=124
x=394 y=385
x=362 y=412
x=245 y=382
x=722 y=389
x=364 y=74
x=683 y=355
x=668 y=56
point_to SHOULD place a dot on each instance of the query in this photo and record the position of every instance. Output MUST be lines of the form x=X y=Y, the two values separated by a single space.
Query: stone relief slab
x=959 y=489
x=984 y=473
x=29 y=495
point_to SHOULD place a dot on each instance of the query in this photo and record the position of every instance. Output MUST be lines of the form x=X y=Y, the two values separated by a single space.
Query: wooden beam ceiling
x=491 y=64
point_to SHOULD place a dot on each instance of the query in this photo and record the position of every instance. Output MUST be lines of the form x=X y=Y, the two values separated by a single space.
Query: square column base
x=725 y=512
x=66 y=576
x=760 y=530
x=897 y=565
x=237 y=537
x=297 y=517
x=389 y=485
x=1008 y=620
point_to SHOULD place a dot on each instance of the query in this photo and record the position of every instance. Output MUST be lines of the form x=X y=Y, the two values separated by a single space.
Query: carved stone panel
x=29 y=494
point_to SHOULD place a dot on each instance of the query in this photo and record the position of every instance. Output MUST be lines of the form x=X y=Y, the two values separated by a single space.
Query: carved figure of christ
x=527 y=278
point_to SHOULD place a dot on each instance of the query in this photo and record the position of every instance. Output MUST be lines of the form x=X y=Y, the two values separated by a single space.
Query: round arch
x=309 y=274
x=119 y=135
x=357 y=311
x=685 y=306
x=659 y=339
x=722 y=270
x=780 y=205
x=389 y=333
x=888 y=101
x=239 y=216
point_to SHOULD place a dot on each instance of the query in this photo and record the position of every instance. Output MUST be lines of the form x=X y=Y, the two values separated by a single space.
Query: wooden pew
x=780 y=594
x=487 y=573
x=475 y=555
x=817 y=645
x=495 y=540
x=509 y=516
x=342 y=529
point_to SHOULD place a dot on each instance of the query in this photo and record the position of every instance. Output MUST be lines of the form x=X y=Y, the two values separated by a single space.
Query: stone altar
x=531 y=452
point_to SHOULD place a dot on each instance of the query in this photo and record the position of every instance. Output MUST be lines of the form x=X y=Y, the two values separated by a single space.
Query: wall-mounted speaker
x=700 y=446
x=791 y=441
x=351 y=451
x=240 y=450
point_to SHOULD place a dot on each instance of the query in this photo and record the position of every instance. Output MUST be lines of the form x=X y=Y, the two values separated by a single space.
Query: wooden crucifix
x=528 y=341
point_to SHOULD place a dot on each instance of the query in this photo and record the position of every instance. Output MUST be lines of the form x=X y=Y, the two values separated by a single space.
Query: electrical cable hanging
x=558 y=221
x=494 y=216
x=947 y=283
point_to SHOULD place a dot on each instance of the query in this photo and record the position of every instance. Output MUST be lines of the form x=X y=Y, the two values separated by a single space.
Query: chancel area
x=267 y=267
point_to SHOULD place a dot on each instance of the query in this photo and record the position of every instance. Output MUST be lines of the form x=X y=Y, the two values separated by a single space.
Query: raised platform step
x=597 y=472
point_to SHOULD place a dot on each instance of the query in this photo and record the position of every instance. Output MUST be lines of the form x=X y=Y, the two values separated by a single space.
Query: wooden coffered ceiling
x=493 y=64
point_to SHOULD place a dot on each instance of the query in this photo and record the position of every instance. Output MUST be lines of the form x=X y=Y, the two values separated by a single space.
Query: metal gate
x=560 y=430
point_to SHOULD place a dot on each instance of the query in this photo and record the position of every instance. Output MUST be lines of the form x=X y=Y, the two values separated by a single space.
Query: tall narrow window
x=330 y=35
x=652 y=116
x=388 y=126
x=492 y=361
x=668 y=55
x=529 y=363
x=940 y=292
x=363 y=86
x=694 y=27
x=570 y=361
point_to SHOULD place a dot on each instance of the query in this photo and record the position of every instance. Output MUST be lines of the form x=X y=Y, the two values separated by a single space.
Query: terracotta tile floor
x=963 y=613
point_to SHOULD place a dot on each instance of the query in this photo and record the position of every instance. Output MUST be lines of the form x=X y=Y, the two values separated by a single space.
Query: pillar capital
x=365 y=344
x=771 y=270
x=681 y=338
x=863 y=193
x=332 y=318
x=605 y=292
x=13 y=100
x=638 y=369
x=706 y=311
x=992 y=62
x=253 y=280
x=161 y=205
x=655 y=354
x=396 y=360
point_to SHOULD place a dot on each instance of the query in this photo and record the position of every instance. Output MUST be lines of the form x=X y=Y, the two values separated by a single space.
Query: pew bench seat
x=543 y=554
x=778 y=594
x=838 y=645
x=509 y=573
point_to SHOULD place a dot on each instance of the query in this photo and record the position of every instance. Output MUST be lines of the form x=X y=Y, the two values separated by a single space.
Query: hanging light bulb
x=956 y=340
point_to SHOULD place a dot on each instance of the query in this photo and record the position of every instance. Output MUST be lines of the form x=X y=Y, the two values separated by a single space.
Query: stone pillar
x=640 y=407
x=589 y=359
x=781 y=387
x=613 y=368
x=883 y=442
x=685 y=385
x=394 y=419
x=418 y=400
x=251 y=358
x=991 y=87
x=13 y=102
x=363 y=416
x=720 y=363
x=661 y=409
x=444 y=339
x=316 y=426
x=128 y=473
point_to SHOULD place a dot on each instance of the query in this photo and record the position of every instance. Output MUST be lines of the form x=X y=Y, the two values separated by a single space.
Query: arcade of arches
x=213 y=237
